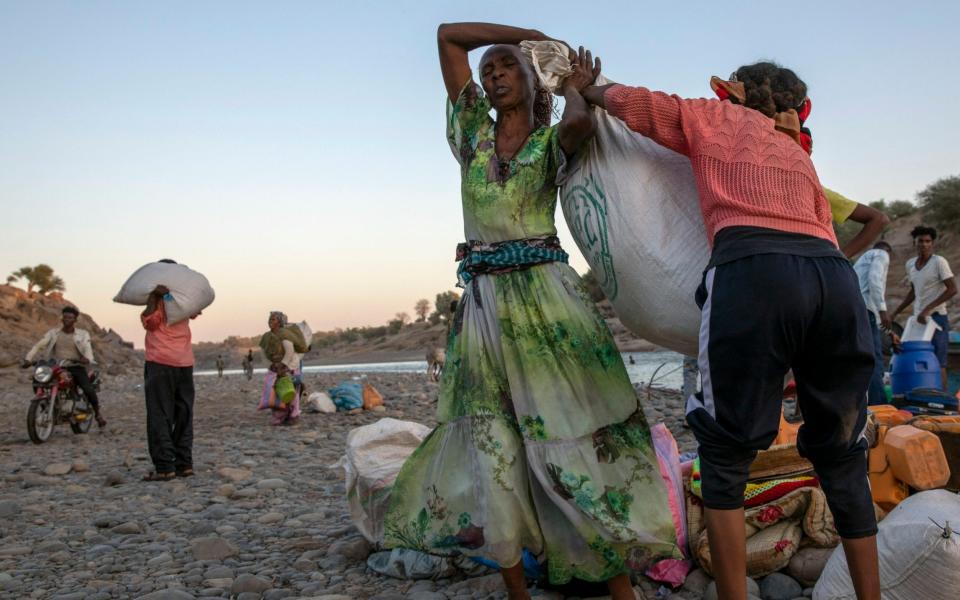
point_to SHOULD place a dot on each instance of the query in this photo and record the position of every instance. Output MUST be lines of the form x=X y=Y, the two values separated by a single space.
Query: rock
x=32 y=480
x=330 y=597
x=168 y=594
x=778 y=586
x=808 y=563
x=234 y=474
x=427 y=595
x=202 y=528
x=250 y=583
x=113 y=478
x=160 y=559
x=227 y=490
x=487 y=584
x=9 y=509
x=270 y=517
x=57 y=469
x=216 y=513
x=218 y=573
x=354 y=548
x=80 y=466
x=50 y=546
x=130 y=527
x=222 y=583
x=697 y=582
x=711 y=592
x=213 y=548
x=271 y=484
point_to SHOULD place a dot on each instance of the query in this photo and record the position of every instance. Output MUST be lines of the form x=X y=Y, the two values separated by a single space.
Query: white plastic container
x=919 y=332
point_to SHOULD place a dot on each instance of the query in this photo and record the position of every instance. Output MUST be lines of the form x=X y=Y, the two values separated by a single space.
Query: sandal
x=154 y=476
x=188 y=472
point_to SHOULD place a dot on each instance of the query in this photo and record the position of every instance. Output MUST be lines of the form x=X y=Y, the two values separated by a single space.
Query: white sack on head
x=551 y=61
x=633 y=209
x=190 y=290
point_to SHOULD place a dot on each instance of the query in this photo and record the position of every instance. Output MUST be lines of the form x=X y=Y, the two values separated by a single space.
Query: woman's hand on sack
x=585 y=70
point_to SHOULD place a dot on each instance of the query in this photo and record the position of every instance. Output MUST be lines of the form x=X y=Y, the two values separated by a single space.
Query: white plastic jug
x=919 y=332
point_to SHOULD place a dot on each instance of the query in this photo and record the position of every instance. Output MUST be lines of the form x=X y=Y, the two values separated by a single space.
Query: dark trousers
x=169 y=393
x=876 y=394
x=761 y=316
x=82 y=379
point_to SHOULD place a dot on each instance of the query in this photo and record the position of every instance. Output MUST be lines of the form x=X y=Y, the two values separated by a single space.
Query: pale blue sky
x=294 y=151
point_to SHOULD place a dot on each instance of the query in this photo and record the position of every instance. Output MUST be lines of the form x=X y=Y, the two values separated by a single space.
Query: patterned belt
x=478 y=258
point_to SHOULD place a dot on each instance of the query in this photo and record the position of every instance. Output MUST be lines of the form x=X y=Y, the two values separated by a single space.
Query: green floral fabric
x=541 y=444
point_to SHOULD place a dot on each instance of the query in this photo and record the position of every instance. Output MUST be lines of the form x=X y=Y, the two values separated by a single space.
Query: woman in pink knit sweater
x=776 y=295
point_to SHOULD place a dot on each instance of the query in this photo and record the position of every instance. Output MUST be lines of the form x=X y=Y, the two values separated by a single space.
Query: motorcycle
x=57 y=400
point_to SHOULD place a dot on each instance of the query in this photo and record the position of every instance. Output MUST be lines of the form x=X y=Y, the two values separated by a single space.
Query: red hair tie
x=804 y=111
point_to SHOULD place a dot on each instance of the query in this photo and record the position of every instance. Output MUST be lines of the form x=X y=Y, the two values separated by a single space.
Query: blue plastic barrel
x=916 y=366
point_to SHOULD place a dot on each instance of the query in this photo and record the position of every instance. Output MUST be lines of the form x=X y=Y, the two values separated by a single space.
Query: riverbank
x=265 y=512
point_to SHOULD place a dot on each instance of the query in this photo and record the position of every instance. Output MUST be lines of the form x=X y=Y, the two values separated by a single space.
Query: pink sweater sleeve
x=652 y=114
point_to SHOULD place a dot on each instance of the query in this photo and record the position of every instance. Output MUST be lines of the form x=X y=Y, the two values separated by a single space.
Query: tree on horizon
x=941 y=203
x=41 y=277
x=422 y=309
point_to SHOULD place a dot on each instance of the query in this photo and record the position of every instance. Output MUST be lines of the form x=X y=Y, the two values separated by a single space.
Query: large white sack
x=306 y=331
x=633 y=209
x=190 y=290
x=917 y=558
x=320 y=402
x=372 y=461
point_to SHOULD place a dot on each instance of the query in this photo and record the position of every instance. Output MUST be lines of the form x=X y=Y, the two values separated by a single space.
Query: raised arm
x=873 y=222
x=946 y=276
x=151 y=317
x=456 y=40
x=578 y=124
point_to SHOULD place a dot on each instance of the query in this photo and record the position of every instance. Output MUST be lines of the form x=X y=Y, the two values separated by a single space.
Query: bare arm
x=947 y=294
x=595 y=93
x=456 y=40
x=578 y=124
x=150 y=317
x=911 y=296
x=873 y=222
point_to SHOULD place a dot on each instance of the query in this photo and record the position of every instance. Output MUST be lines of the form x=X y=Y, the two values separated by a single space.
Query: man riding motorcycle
x=71 y=346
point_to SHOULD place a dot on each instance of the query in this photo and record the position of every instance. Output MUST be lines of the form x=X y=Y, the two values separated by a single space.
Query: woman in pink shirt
x=776 y=295
x=168 y=387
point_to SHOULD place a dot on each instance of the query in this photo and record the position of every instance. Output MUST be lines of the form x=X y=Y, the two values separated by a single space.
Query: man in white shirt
x=71 y=346
x=871 y=269
x=931 y=286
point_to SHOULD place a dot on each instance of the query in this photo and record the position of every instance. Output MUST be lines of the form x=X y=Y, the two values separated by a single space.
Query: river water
x=664 y=368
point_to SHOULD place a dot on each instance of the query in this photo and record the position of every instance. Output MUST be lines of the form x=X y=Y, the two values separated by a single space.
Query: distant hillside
x=24 y=318
x=411 y=343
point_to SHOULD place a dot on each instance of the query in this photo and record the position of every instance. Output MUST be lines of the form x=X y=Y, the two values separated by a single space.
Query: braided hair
x=771 y=88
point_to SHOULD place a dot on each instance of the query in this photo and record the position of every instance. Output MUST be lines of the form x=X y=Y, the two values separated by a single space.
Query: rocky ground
x=265 y=517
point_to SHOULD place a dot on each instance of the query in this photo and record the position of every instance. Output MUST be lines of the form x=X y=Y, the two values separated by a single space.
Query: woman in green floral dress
x=541 y=443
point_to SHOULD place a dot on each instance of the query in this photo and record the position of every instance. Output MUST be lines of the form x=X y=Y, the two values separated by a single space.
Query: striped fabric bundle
x=478 y=258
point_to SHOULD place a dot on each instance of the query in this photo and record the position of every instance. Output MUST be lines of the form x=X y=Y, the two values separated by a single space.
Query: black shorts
x=763 y=315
